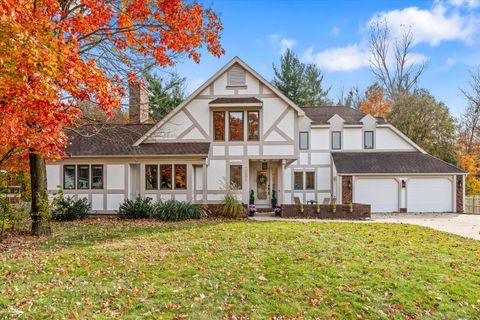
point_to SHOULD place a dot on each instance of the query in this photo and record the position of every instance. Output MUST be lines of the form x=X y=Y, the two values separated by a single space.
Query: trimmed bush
x=69 y=209
x=172 y=210
x=136 y=209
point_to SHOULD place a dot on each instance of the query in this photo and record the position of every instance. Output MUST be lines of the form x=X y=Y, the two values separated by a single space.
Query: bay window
x=219 y=125
x=253 y=125
x=235 y=125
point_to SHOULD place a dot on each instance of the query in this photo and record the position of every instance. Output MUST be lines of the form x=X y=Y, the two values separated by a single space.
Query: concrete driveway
x=466 y=225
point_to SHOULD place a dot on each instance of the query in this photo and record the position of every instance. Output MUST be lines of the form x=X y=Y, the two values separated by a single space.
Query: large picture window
x=151 y=177
x=304 y=140
x=368 y=139
x=180 y=176
x=69 y=177
x=336 y=140
x=83 y=176
x=236 y=177
x=166 y=177
x=235 y=126
x=253 y=125
x=219 y=125
x=97 y=176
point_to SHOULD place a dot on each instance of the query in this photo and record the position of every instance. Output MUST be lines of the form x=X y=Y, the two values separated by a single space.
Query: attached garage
x=399 y=181
x=380 y=193
x=430 y=194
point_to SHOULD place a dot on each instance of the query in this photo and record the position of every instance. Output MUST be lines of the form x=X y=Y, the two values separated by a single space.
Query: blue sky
x=334 y=34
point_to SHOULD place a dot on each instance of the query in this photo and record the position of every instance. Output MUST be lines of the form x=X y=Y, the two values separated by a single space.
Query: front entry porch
x=265 y=182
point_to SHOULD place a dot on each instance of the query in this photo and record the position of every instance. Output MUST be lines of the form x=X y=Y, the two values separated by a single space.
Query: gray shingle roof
x=235 y=100
x=391 y=162
x=118 y=140
x=321 y=114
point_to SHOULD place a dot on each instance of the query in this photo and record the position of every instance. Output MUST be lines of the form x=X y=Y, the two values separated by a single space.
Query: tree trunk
x=40 y=211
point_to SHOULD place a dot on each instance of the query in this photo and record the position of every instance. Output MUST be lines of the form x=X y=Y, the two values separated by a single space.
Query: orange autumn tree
x=375 y=102
x=58 y=55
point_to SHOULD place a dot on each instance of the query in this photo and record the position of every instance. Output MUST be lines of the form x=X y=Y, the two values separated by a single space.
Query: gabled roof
x=118 y=140
x=321 y=114
x=235 y=60
x=391 y=162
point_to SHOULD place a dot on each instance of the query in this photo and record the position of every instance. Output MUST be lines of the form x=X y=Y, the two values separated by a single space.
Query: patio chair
x=297 y=201
x=326 y=200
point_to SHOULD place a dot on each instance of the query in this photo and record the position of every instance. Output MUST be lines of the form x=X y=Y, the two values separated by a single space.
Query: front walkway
x=465 y=225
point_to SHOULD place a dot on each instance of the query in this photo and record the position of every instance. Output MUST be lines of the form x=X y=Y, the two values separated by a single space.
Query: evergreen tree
x=300 y=82
x=165 y=94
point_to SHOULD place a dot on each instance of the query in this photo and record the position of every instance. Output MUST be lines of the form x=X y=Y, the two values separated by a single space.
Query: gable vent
x=236 y=76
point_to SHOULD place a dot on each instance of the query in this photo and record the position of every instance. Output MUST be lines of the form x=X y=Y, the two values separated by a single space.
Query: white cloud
x=335 y=31
x=347 y=58
x=449 y=62
x=471 y=4
x=280 y=43
x=442 y=22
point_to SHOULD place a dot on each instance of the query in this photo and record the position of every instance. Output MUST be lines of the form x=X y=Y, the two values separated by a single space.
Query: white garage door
x=429 y=195
x=380 y=193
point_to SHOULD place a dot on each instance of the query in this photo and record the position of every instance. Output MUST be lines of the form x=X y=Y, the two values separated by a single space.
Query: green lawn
x=239 y=270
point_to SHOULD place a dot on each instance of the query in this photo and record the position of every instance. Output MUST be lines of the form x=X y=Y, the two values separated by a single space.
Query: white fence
x=472 y=204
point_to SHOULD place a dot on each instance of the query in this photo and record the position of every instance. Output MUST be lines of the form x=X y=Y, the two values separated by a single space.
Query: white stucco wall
x=387 y=139
x=53 y=176
x=320 y=139
x=352 y=139
x=115 y=177
x=217 y=173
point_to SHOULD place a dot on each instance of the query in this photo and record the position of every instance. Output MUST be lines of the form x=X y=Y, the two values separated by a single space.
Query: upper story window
x=235 y=125
x=253 y=125
x=304 y=140
x=219 y=125
x=368 y=140
x=336 y=140
x=236 y=77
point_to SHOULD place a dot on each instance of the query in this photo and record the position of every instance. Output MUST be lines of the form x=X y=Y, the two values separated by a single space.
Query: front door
x=263 y=188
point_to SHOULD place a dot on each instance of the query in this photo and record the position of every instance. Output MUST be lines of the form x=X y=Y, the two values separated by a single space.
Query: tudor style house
x=238 y=129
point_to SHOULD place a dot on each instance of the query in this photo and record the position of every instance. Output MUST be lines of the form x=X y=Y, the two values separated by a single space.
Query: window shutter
x=236 y=76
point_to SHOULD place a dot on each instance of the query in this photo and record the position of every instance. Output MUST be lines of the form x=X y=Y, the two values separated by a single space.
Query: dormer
x=336 y=122
x=369 y=122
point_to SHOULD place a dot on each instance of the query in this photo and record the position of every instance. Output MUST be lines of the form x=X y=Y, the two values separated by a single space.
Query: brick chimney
x=138 y=104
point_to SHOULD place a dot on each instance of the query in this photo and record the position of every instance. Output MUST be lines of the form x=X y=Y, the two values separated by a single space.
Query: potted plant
x=252 y=197
x=334 y=207
x=350 y=207
x=301 y=208
x=251 y=210
x=317 y=206
x=274 y=199
x=278 y=211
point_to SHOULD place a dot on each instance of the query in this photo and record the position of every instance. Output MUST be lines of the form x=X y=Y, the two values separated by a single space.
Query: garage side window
x=151 y=177
x=69 y=177
x=166 y=172
x=97 y=176
x=180 y=176
x=83 y=176
x=368 y=139
x=336 y=140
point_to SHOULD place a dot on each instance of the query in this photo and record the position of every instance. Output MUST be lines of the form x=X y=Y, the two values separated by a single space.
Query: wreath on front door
x=261 y=179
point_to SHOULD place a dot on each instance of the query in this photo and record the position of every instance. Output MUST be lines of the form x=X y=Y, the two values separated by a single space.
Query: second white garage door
x=380 y=193
x=429 y=195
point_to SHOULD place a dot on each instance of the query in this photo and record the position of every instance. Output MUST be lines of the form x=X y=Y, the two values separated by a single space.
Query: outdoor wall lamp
x=460 y=182
x=404 y=184
x=349 y=184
